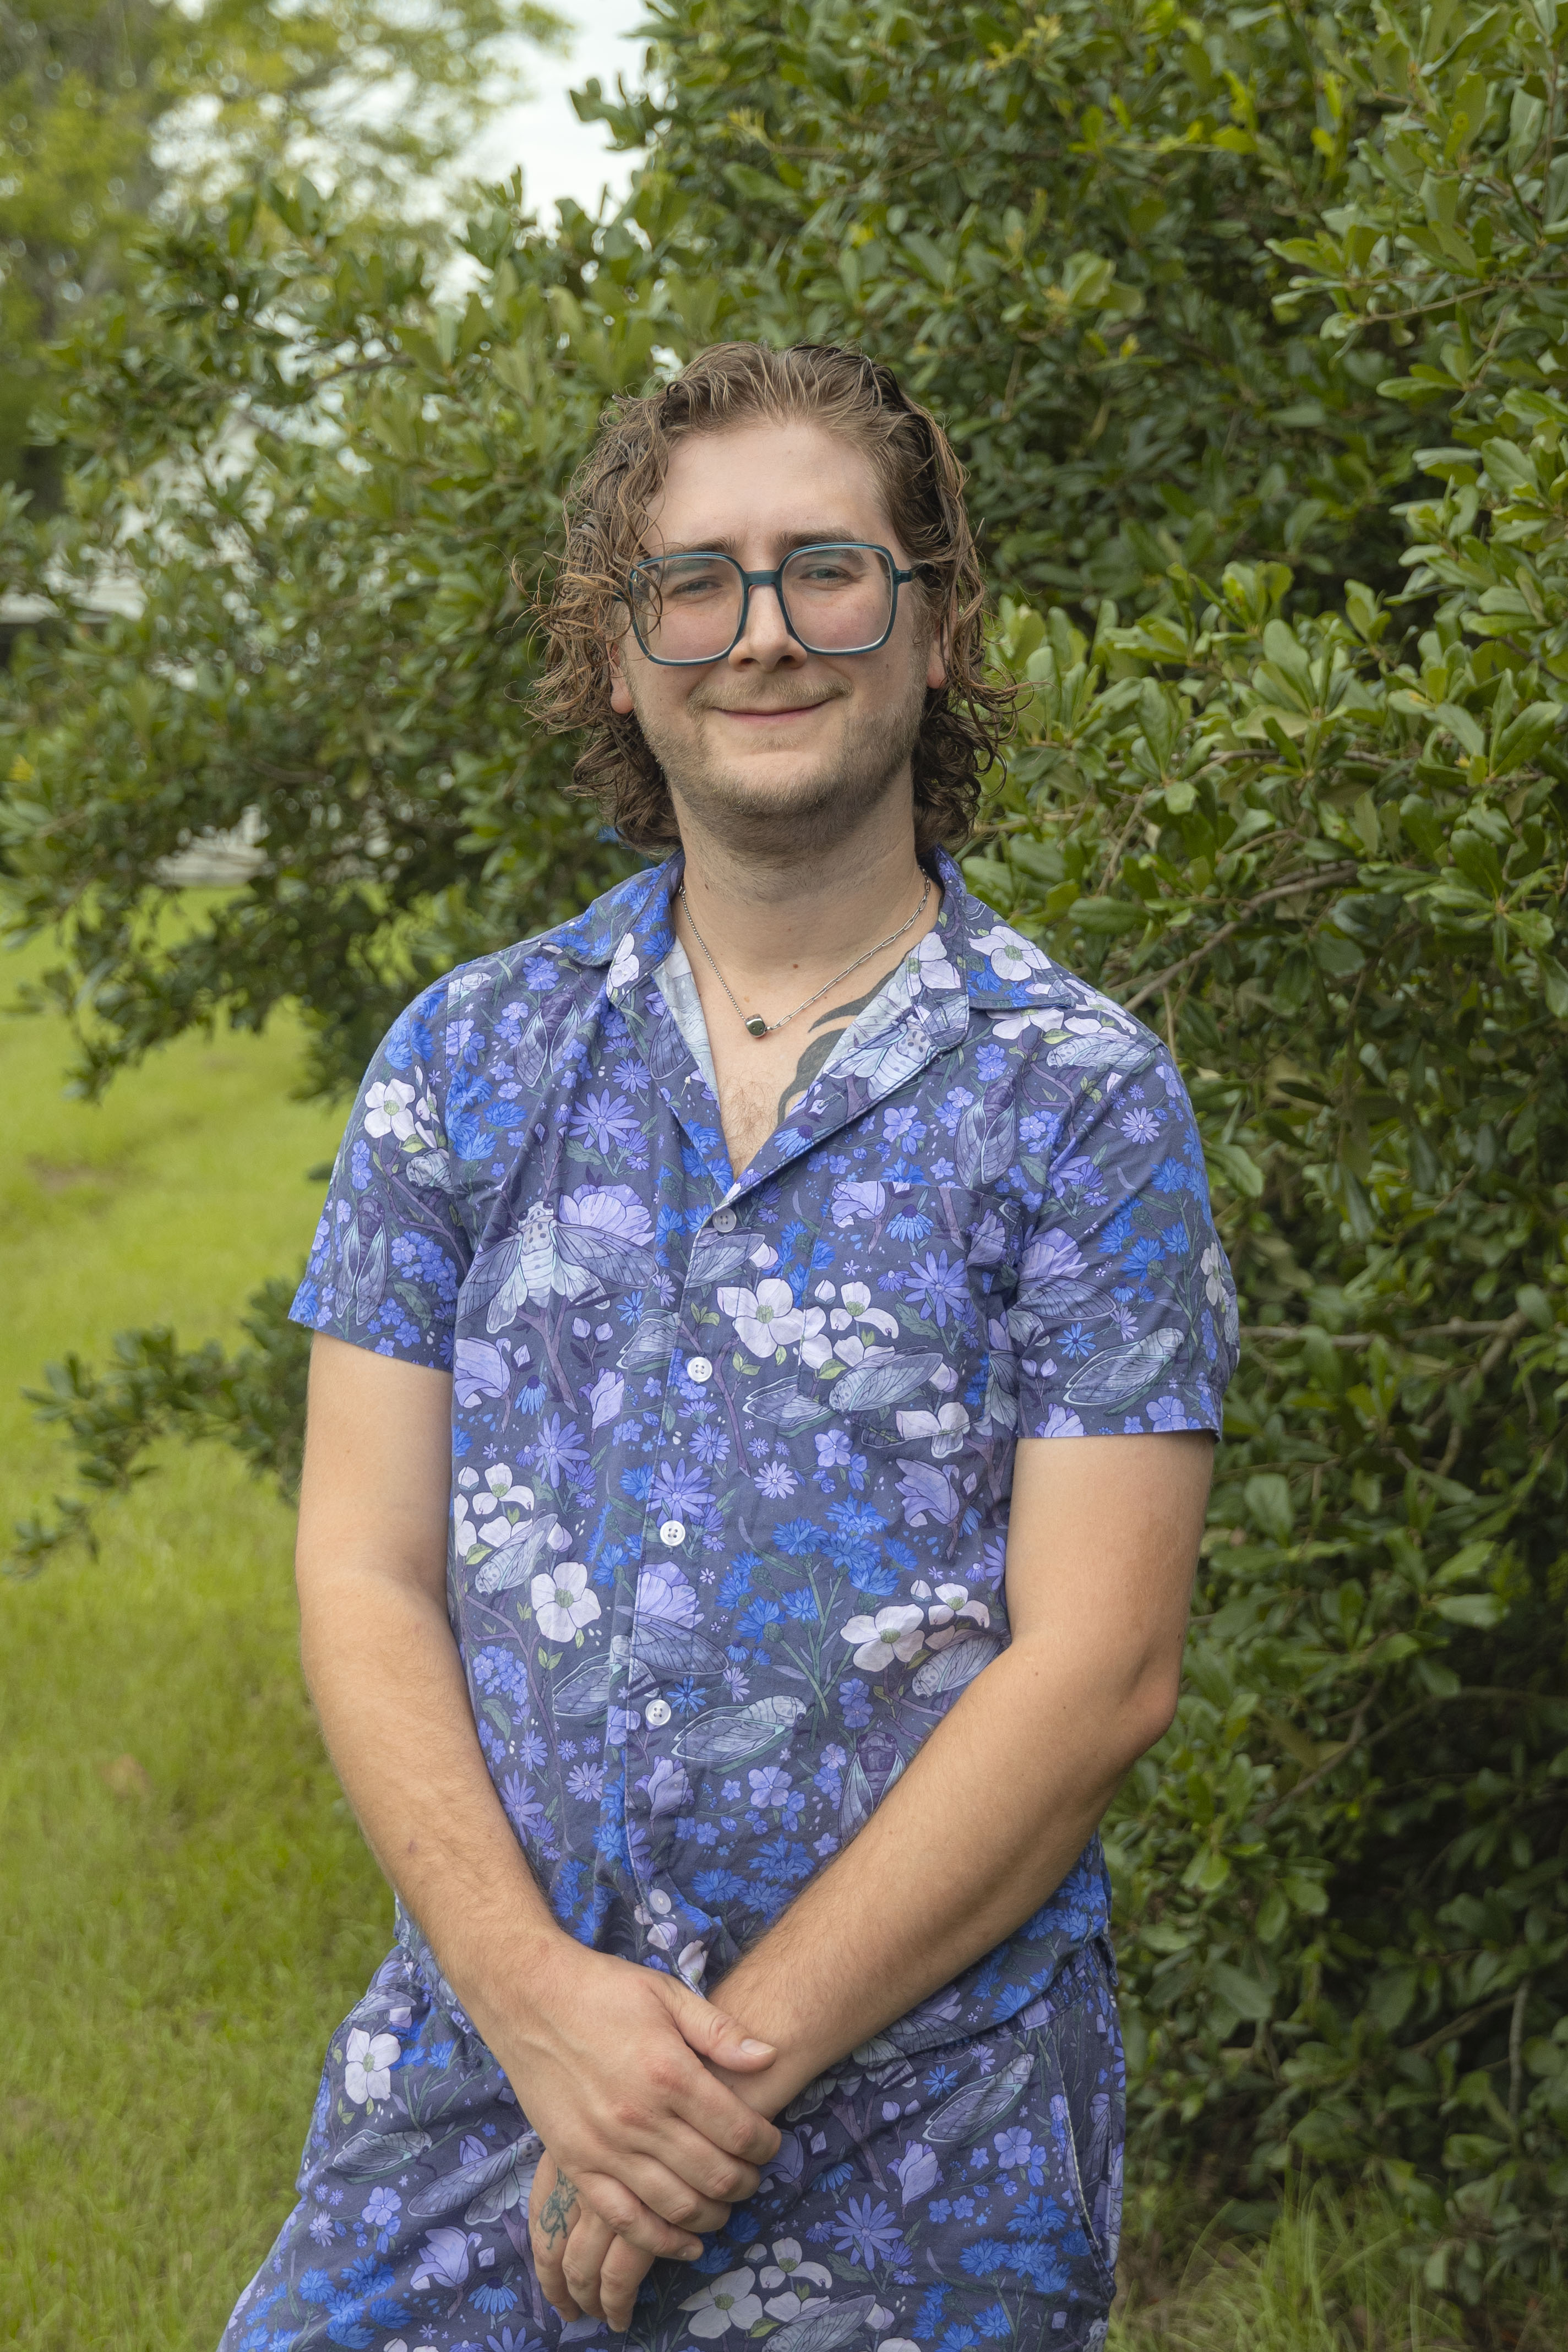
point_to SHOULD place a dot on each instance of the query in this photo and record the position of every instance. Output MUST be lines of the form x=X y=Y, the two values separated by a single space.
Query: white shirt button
x=673 y=1532
x=657 y=1712
x=723 y=1221
x=698 y=1369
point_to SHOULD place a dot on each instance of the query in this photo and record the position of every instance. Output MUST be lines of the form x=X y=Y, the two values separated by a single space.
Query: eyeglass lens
x=836 y=600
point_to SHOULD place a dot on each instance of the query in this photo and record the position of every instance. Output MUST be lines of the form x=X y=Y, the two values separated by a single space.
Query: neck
x=773 y=917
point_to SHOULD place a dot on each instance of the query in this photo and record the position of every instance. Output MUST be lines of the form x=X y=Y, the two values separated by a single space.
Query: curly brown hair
x=605 y=508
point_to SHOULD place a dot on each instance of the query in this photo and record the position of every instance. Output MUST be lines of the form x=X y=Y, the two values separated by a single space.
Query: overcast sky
x=561 y=156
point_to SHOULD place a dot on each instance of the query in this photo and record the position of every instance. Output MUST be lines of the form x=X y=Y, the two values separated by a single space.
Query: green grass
x=185 y=1906
x=178 y=1932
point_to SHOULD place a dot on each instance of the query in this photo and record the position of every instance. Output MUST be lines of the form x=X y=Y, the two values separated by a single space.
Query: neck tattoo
x=753 y=1024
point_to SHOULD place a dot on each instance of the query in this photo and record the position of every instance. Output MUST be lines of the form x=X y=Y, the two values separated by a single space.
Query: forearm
x=987 y=1822
x=387 y=1682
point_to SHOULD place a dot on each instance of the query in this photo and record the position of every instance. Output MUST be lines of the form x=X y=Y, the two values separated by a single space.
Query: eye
x=687 y=586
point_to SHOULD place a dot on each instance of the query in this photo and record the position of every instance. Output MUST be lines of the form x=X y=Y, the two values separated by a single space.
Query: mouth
x=773 y=714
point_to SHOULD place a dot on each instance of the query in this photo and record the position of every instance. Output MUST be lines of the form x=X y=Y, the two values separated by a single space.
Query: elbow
x=1148 y=1713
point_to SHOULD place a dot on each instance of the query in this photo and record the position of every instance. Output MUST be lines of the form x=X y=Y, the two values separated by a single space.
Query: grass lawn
x=186 y=1905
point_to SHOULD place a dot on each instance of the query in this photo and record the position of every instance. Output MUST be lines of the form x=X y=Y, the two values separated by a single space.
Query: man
x=770 y=1337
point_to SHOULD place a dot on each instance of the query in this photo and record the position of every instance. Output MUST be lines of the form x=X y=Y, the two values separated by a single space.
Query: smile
x=773 y=717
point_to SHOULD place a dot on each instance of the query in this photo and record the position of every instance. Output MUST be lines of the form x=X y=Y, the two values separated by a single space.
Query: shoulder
x=447 y=1023
x=1049 y=1016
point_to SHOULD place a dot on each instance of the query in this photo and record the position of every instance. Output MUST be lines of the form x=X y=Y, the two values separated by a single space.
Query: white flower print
x=561 y=1602
x=1011 y=957
x=945 y=1428
x=787 y=2277
x=500 y=1488
x=612 y=1210
x=892 y=1633
x=766 y=1317
x=949 y=1611
x=625 y=967
x=723 y=2303
x=367 y=2071
x=691 y=1964
x=386 y=1110
x=930 y=967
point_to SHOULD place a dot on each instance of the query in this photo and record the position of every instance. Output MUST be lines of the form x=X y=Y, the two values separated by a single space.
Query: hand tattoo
x=559 y=2208
x=833 y=1025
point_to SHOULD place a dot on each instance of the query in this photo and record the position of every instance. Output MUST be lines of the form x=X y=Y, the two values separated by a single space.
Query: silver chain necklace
x=755 y=1025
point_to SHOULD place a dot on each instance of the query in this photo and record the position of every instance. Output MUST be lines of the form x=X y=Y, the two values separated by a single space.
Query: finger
x=582 y=2259
x=627 y=2214
x=711 y=2108
x=551 y=2209
x=711 y=2032
x=623 y=2272
x=682 y=2175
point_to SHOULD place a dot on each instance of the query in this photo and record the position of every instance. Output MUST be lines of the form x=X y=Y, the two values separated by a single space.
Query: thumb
x=711 y=2032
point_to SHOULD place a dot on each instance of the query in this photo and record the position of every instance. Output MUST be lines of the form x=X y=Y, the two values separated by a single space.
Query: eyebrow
x=829 y=535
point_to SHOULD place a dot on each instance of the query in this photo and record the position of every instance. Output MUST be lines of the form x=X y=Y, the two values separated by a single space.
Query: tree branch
x=1321 y=880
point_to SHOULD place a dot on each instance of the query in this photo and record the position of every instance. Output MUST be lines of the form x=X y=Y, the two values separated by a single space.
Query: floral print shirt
x=732 y=1456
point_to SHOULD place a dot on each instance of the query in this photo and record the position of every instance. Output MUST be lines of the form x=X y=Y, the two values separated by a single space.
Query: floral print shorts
x=924 y=2199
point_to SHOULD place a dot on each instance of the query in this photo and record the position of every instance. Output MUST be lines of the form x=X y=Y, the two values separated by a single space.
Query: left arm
x=1101 y=1550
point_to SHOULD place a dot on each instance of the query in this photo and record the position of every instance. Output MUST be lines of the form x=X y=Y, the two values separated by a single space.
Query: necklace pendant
x=756 y=1026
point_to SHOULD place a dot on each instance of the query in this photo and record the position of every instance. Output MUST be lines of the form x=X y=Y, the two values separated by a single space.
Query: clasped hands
x=621 y=2071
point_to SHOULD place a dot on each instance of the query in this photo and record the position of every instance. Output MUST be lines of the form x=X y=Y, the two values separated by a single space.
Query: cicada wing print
x=977 y=2107
x=731 y=1734
x=867 y=1388
x=652 y=1343
x=517 y=1559
x=365 y=1260
x=587 y=1259
x=671 y=1651
x=367 y=2153
x=578 y=1696
x=499 y=1283
x=1118 y=1374
x=502 y=2172
x=950 y=1668
x=825 y=2331
x=986 y=1143
x=719 y=1258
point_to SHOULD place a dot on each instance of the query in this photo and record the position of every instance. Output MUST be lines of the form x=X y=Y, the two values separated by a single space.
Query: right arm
x=605 y=2056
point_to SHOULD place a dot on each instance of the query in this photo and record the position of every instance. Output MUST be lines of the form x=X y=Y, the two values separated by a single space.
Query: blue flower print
x=867 y=2230
x=937 y=1288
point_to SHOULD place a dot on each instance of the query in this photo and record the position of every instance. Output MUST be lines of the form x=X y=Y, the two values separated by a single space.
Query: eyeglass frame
x=774 y=580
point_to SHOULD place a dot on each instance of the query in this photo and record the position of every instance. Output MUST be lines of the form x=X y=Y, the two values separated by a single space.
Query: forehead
x=765 y=480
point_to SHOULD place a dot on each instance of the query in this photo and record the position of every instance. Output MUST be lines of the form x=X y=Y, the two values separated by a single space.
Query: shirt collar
x=630 y=931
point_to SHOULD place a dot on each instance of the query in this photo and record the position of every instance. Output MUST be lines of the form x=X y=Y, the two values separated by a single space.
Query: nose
x=765 y=639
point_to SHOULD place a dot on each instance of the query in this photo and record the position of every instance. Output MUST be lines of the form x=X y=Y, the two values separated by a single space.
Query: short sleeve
x=390 y=1252
x=1125 y=1316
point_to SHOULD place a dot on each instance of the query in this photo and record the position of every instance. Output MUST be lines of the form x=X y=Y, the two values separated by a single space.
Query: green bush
x=1255 y=333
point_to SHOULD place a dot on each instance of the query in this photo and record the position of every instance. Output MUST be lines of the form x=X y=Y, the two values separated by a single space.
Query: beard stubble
x=805 y=818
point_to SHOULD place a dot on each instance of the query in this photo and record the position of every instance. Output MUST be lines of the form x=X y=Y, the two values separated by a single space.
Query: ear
x=936 y=658
x=620 y=692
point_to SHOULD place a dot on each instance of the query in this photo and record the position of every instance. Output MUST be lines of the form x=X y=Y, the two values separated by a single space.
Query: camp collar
x=630 y=931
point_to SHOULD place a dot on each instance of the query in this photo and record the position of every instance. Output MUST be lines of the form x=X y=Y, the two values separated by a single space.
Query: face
x=773 y=745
